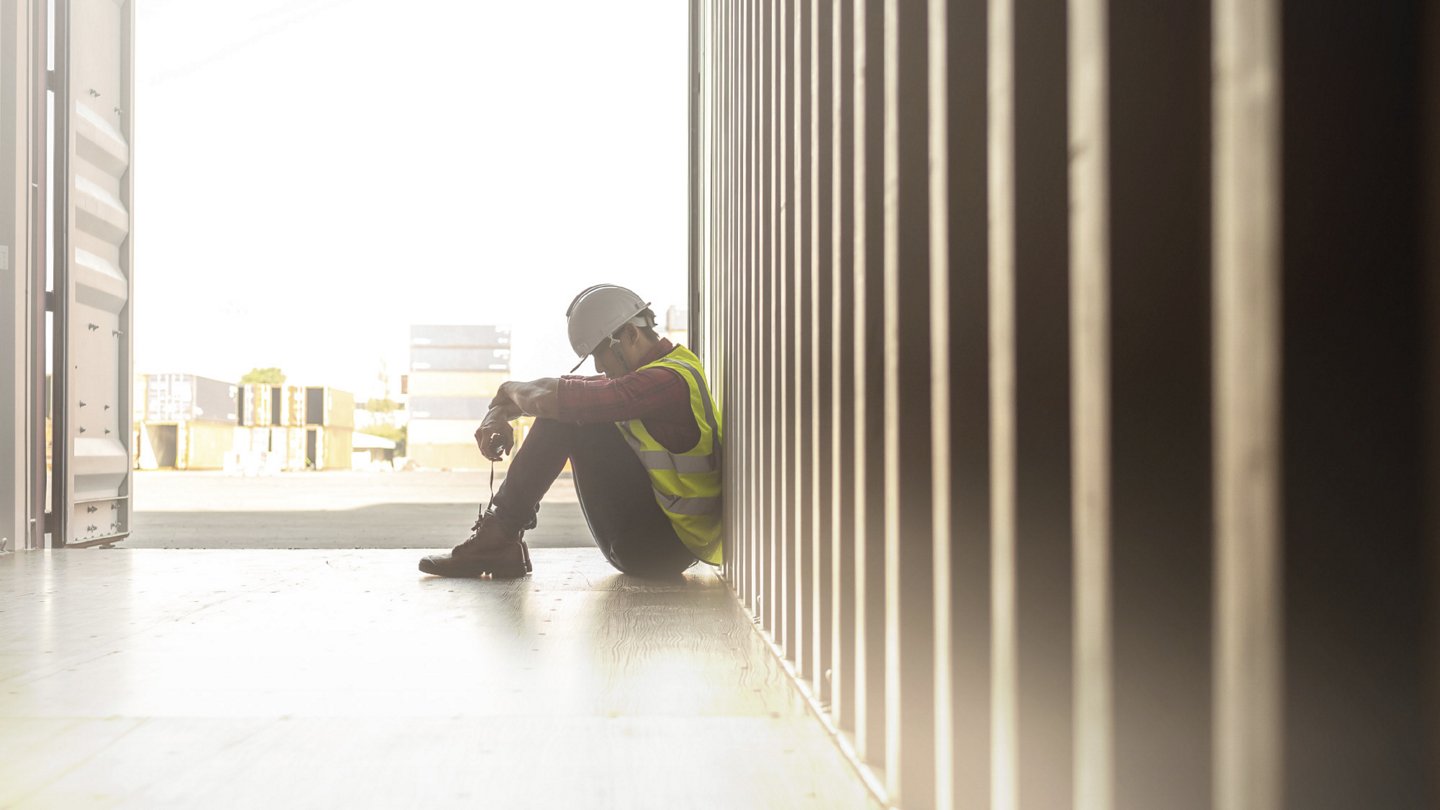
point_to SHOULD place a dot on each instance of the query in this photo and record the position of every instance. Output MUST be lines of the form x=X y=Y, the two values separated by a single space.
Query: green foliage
x=381 y=406
x=263 y=376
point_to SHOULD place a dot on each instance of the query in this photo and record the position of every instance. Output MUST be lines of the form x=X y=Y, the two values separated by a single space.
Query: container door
x=94 y=67
x=296 y=447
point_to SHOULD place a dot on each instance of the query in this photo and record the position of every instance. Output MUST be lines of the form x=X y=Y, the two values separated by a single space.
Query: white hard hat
x=597 y=312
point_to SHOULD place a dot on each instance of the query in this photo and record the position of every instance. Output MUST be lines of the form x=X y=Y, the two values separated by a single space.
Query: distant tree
x=381 y=405
x=263 y=376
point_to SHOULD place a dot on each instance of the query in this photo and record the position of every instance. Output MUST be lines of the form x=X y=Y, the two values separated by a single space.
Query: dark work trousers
x=614 y=489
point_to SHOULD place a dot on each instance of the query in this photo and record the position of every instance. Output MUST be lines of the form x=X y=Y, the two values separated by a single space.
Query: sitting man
x=642 y=439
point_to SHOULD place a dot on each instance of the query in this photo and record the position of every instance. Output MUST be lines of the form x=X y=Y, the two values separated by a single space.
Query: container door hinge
x=49 y=302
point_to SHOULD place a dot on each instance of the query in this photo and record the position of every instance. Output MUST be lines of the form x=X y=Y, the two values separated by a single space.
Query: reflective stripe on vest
x=691 y=506
x=687 y=485
x=662 y=460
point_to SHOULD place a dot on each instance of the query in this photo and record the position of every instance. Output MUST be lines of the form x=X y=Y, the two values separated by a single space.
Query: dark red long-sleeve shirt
x=658 y=397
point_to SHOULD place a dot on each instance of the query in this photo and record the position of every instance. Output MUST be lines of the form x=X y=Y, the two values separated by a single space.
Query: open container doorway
x=318 y=184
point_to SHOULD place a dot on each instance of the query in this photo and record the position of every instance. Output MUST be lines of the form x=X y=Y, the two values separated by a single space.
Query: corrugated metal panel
x=17 y=308
x=159 y=446
x=441 y=431
x=248 y=439
x=293 y=440
x=189 y=444
x=206 y=445
x=339 y=408
x=454 y=456
x=336 y=448
x=1042 y=412
x=472 y=408
x=256 y=405
x=216 y=400
x=182 y=397
x=464 y=359
x=314 y=406
x=456 y=383
x=460 y=336
x=93 y=249
x=329 y=407
x=168 y=398
x=1249 y=754
x=291 y=406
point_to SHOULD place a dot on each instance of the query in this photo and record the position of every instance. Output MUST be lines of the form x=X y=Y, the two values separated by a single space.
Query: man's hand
x=495 y=437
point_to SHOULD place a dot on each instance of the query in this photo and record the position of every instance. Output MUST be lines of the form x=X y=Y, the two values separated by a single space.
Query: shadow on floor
x=391 y=525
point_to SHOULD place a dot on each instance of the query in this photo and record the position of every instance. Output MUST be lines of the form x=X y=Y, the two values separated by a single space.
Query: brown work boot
x=492 y=548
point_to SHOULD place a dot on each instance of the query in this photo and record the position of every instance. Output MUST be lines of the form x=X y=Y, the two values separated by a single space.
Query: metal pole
x=14 y=289
x=1248 y=713
x=693 y=179
x=39 y=144
x=60 y=494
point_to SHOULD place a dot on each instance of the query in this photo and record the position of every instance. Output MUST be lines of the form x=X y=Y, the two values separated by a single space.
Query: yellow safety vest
x=687 y=485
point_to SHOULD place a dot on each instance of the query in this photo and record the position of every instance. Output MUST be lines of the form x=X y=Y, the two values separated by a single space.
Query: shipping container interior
x=1079 y=365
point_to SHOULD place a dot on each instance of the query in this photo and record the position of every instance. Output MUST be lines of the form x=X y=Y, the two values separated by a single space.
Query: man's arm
x=535 y=398
x=513 y=400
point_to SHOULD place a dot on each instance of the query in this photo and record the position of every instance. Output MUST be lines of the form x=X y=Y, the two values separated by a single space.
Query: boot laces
x=485 y=511
x=475 y=529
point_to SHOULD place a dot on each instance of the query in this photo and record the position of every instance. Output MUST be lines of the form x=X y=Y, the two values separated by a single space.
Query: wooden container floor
x=325 y=678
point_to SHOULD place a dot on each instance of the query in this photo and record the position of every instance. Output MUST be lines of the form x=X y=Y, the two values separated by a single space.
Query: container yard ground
x=327 y=510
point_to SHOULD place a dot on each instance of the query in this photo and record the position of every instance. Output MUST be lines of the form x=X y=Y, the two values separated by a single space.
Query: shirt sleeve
x=649 y=392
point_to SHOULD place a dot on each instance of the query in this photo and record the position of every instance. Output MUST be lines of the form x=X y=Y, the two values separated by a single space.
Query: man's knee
x=544 y=424
x=551 y=434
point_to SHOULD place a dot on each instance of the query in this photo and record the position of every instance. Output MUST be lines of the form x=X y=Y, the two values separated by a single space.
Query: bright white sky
x=313 y=176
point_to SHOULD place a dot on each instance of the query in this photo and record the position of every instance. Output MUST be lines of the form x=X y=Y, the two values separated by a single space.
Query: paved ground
x=425 y=510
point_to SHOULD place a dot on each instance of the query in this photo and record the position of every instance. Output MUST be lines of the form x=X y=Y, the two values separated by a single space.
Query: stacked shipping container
x=294 y=427
x=677 y=325
x=186 y=422
x=454 y=373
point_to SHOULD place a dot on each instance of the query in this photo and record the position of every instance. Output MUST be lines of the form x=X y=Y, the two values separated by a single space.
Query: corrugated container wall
x=185 y=445
x=1078 y=362
x=466 y=335
x=183 y=397
x=472 y=384
x=329 y=407
x=459 y=359
x=256 y=403
x=473 y=408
